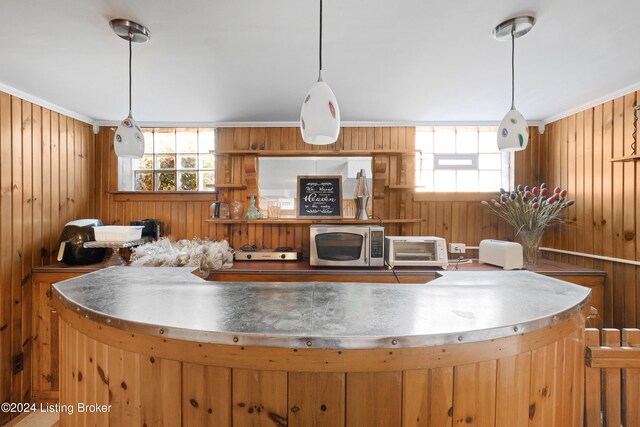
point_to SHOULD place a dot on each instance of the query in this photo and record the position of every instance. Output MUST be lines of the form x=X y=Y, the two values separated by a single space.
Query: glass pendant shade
x=320 y=115
x=513 y=133
x=129 y=140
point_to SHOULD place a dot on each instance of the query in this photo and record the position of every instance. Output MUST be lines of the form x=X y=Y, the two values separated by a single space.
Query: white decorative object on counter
x=118 y=233
x=507 y=255
x=205 y=255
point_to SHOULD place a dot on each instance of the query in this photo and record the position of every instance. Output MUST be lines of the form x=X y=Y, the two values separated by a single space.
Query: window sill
x=453 y=197
x=163 y=196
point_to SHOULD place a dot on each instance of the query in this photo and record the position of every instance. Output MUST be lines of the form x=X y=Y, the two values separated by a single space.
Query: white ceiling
x=254 y=60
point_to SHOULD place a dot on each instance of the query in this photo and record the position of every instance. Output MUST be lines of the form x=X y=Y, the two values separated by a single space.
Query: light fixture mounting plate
x=124 y=27
x=521 y=25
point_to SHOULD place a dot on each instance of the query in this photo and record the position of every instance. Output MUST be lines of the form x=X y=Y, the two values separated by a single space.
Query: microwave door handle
x=366 y=248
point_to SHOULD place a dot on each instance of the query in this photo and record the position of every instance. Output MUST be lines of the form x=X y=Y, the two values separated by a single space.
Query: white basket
x=118 y=233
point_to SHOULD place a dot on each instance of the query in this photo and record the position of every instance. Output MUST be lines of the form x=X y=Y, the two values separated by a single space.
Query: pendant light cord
x=513 y=66
x=130 y=56
x=320 y=42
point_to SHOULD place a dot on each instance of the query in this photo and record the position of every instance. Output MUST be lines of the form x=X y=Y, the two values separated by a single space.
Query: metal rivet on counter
x=309 y=343
x=108 y=320
x=161 y=331
x=460 y=338
x=394 y=342
x=235 y=339
x=515 y=329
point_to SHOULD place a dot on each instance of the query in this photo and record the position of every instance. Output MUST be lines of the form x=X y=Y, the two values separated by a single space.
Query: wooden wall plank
x=26 y=252
x=427 y=397
x=472 y=404
x=541 y=408
x=259 y=397
x=316 y=399
x=513 y=379
x=6 y=210
x=163 y=406
x=374 y=399
x=606 y=215
x=206 y=395
x=16 y=240
x=29 y=223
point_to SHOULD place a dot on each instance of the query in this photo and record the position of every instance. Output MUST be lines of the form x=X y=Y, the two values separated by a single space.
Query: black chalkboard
x=319 y=197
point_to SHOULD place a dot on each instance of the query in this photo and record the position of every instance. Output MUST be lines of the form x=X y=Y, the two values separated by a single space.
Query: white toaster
x=507 y=255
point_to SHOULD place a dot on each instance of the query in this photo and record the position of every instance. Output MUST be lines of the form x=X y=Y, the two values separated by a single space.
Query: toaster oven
x=417 y=251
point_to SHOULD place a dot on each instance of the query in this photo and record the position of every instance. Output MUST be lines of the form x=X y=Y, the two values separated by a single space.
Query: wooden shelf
x=295 y=221
x=634 y=158
x=309 y=153
x=401 y=187
x=239 y=186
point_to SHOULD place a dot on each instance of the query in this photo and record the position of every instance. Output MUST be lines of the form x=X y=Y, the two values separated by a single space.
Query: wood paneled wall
x=46 y=179
x=184 y=215
x=575 y=154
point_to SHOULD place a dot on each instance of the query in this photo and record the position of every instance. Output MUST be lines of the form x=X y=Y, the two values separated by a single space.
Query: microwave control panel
x=377 y=245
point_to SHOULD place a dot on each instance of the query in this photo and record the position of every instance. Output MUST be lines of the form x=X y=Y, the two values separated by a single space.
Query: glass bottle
x=253 y=212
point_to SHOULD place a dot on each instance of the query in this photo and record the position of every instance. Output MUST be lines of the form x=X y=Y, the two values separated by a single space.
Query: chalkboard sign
x=319 y=197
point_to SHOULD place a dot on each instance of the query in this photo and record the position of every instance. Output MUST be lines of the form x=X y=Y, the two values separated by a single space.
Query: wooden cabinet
x=593 y=282
x=45 y=373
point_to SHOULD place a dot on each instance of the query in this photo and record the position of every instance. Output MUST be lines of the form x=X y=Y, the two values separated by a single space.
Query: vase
x=530 y=240
x=253 y=212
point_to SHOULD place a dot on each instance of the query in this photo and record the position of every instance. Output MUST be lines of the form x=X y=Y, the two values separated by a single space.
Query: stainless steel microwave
x=347 y=245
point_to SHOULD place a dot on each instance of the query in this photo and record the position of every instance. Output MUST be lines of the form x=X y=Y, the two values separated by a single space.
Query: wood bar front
x=533 y=378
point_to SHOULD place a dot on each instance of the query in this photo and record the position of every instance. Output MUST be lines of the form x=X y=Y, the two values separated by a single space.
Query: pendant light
x=129 y=140
x=513 y=133
x=320 y=115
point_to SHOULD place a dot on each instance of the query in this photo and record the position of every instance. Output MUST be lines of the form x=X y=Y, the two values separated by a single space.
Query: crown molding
x=595 y=102
x=46 y=104
x=347 y=124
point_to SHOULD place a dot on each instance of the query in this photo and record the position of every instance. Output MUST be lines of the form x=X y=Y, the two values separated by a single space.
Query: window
x=174 y=160
x=461 y=159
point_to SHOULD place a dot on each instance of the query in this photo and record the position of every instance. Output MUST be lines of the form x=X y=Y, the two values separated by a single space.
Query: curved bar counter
x=163 y=347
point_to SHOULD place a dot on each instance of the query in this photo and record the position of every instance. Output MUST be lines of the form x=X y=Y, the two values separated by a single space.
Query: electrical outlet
x=457 y=248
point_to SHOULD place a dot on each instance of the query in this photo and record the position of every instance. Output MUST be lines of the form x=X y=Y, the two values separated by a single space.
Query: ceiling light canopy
x=320 y=115
x=129 y=139
x=513 y=133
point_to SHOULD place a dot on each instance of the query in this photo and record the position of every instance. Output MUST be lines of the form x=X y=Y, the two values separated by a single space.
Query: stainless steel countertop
x=458 y=307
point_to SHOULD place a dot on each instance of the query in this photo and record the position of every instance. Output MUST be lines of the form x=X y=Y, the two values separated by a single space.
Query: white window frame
x=440 y=160
x=126 y=172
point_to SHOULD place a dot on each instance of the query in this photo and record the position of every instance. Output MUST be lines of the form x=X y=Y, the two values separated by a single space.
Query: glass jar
x=273 y=209
x=224 y=210
x=236 y=209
